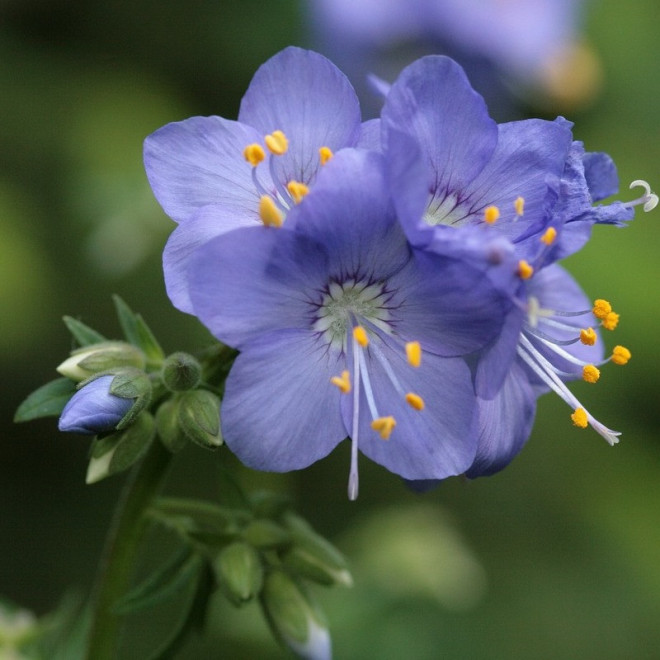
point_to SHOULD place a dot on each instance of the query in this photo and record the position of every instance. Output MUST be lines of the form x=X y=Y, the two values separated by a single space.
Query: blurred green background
x=557 y=556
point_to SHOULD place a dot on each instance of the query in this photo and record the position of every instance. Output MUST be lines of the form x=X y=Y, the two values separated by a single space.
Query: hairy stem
x=121 y=550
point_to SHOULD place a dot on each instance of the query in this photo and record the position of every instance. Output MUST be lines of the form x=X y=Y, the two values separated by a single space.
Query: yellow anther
x=611 y=321
x=591 y=373
x=519 y=205
x=297 y=190
x=343 y=382
x=384 y=426
x=325 y=154
x=254 y=154
x=620 y=355
x=525 y=271
x=601 y=308
x=588 y=336
x=580 y=418
x=277 y=143
x=360 y=336
x=270 y=215
x=414 y=353
x=549 y=236
x=491 y=214
x=415 y=401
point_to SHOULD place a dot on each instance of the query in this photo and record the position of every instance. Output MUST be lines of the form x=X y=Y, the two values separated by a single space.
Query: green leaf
x=138 y=333
x=170 y=579
x=48 y=401
x=83 y=334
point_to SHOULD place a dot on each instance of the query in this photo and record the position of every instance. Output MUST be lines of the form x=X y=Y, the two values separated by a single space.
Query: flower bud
x=313 y=557
x=87 y=361
x=93 y=409
x=293 y=618
x=199 y=418
x=264 y=533
x=181 y=372
x=239 y=571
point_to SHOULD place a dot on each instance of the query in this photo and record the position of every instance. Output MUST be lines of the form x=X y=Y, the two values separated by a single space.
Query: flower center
x=350 y=303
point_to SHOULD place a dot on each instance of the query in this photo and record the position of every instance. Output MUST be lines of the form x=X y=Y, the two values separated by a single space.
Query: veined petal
x=601 y=175
x=436 y=442
x=433 y=100
x=353 y=185
x=280 y=412
x=307 y=97
x=256 y=280
x=200 y=161
x=207 y=223
x=505 y=423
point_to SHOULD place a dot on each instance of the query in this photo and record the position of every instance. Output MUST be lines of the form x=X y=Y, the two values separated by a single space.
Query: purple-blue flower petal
x=279 y=410
x=92 y=409
x=307 y=97
x=505 y=423
x=200 y=161
x=433 y=99
x=600 y=174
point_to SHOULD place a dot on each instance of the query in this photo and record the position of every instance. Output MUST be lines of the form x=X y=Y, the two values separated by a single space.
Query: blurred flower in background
x=513 y=50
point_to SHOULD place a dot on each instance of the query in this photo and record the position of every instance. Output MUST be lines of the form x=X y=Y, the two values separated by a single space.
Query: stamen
x=360 y=336
x=549 y=236
x=491 y=214
x=415 y=401
x=611 y=321
x=277 y=143
x=384 y=426
x=414 y=353
x=519 y=206
x=343 y=382
x=648 y=199
x=353 y=478
x=270 y=215
x=591 y=373
x=297 y=190
x=601 y=308
x=588 y=336
x=580 y=418
x=525 y=271
x=254 y=154
x=620 y=355
x=325 y=154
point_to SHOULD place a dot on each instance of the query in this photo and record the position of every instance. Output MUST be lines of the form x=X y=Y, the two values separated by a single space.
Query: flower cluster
x=393 y=281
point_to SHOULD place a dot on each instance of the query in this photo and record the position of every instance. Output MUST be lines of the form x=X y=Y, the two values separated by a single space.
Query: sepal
x=181 y=372
x=116 y=452
x=132 y=384
x=167 y=425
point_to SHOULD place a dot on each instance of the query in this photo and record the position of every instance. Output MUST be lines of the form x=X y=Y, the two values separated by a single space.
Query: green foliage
x=138 y=333
x=47 y=401
x=83 y=334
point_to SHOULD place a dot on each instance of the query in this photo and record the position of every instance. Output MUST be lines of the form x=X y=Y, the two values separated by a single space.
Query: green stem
x=120 y=553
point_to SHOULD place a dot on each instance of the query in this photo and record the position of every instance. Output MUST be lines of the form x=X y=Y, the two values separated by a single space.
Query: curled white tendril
x=648 y=199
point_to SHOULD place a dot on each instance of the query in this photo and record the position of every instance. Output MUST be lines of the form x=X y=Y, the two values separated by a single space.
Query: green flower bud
x=313 y=557
x=263 y=533
x=118 y=451
x=167 y=425
x=181 y=372
x=294 y=618
x=199 y=418
x=239 y=572
x=104 y=356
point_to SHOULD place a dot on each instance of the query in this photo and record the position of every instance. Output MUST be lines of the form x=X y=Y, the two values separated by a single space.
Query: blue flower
x=345 y=329
x=92 y=409
x=460 y=179
x=298 y=110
